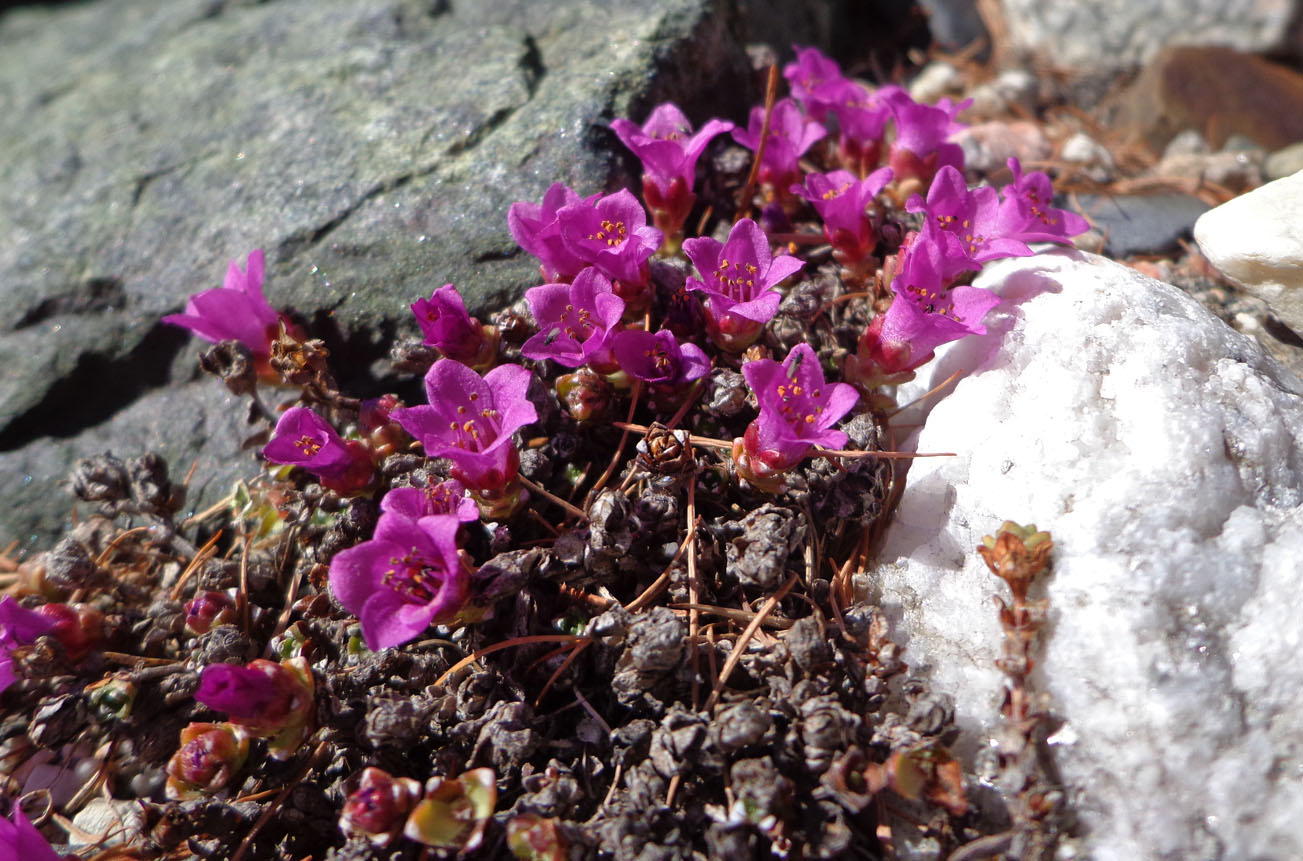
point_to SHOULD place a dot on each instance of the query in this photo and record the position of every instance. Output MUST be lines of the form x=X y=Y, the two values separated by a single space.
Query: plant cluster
x=692 y=410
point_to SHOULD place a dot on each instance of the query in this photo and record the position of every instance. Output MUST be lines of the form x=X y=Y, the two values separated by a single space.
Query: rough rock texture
x=372 y=148
x=1257 y=239
x=1095 y=34
x=1164 y=453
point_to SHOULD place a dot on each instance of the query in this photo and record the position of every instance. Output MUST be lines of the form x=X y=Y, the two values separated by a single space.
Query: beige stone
x=1257 y=239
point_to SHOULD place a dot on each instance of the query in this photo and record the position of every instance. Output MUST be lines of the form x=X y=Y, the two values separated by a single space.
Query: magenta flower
x=862 y=117
x=448 y=497
x=236 y=311
x=611 y=233
x=470 y=420
x=18 y=627
x=535 y=229
x=659 y=358
x=20 y=839
x=738 y=280
x=253 y=693
x=815 y=80
x=967 y=223
x=1026 y=213
x=842 y=201
x=791 y=133
x=406 y=578
x=575 y=321
x=798 y=409
x=921 y=147
x=668 y=151
x=924 y=313
x=305 y=439
x=448 y=327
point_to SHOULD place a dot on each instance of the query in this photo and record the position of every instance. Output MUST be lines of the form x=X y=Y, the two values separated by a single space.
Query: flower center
x=836 y=192
x=661 y=360
x=612 y=233
x=932 y=302
x=307 y=445
x=414 y=577
x=737 y=280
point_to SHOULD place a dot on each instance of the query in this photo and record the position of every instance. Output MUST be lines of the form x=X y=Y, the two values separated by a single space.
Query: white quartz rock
x=1257 y=239
x=1164 y=452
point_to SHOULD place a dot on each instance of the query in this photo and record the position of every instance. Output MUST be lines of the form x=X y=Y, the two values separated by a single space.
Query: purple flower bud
x=448 y=327
x=575 y=321
x=407 y=577
x=379 y=805
x=206 y=610
x=612 y=234
x=236 y=311
x=305 y=439
x=738 y=282
x=659 y=358
x=448 y=497
x=258 y=692
x=535 y=229
x=797 y=410
x=791 y=133
x=470 y=420
x=209 y=756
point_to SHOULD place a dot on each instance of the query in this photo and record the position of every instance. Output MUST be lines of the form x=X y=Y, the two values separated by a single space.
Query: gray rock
x=1114 y=34
x=371 y=147
x=1142 y=224
x=954 y=24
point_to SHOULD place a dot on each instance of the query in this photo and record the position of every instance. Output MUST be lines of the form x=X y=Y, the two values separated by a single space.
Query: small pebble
x=937 y=79
x=1093 y=156
x=1283 y=162
x=1188 y=142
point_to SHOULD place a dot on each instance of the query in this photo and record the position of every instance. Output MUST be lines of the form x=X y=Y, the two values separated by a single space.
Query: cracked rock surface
x=372 y=148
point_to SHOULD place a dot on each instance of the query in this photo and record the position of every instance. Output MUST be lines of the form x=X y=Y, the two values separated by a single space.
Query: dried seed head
x=665 y=452
x=233 y=364
x=102 y=478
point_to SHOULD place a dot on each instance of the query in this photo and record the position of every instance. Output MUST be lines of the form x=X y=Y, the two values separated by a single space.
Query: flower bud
x=454 y=813
x=379 y=805
x=585 y=395
x=265 y=698
x=112 y=698
x=207 y=610
x=209 y=756
x=78 y=628
x=533 y=838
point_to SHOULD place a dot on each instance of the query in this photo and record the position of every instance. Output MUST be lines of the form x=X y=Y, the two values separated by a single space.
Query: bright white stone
x=1163 y=452
x=1257 y=239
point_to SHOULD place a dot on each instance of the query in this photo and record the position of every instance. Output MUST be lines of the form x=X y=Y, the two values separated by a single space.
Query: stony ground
x=675 y=669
